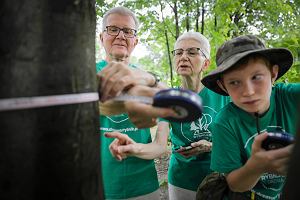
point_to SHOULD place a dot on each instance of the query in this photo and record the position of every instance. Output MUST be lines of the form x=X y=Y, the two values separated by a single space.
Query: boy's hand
x=272 y=161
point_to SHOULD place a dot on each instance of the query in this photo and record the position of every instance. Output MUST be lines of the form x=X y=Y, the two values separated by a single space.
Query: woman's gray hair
x=121 y=11
x=205 y=46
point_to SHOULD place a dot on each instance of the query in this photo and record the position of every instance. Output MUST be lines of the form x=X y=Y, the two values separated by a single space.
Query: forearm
x=159 y=146
x=144 y=77
x=243 y=179
x=150 y=151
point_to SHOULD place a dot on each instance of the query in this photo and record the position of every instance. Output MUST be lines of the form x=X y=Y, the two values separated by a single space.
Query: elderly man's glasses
x=191 y=52
x=114 y=30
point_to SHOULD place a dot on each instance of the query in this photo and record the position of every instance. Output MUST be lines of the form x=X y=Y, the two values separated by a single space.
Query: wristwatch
x=156 y=78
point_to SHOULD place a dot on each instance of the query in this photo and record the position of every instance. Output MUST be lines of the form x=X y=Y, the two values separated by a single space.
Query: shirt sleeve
x=226 y=150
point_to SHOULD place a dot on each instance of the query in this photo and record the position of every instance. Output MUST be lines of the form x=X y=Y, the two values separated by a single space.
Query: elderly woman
x=191 y=142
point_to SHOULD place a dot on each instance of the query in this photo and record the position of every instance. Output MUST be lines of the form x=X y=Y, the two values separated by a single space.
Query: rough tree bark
x=47 y=47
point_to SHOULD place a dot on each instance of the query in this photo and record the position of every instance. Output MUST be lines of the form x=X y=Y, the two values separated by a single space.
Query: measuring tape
x=185 y=103
x=45 y=101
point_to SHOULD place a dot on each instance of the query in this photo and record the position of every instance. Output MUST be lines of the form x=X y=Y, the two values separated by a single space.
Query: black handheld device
x=187 y=104
x=277 y=139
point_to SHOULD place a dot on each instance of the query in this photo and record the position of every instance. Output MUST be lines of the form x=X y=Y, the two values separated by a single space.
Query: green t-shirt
x=133 y=176
x=188 y=173
x=234 y=131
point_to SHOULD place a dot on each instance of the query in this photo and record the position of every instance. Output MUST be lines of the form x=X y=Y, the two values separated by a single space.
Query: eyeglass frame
x=198 y=49
x=121 y=29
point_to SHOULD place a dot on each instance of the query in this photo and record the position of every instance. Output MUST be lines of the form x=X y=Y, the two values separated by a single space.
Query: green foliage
x=275 y=21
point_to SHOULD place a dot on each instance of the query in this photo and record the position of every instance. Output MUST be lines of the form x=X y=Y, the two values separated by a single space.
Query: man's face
x=250 y=85
x=118 y=46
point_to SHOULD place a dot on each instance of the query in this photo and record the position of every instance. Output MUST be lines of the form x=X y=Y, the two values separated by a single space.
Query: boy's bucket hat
x=237 y=48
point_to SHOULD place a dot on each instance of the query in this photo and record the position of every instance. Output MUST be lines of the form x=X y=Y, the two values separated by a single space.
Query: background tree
x=47 y=48
x=275 y=21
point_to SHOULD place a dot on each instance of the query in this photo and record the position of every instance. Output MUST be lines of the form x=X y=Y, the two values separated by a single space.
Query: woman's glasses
x=191 y=52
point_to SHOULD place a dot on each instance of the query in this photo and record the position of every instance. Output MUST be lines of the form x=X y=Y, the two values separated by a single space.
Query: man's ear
x=274 y=73
x=221 y=85
x=101 y=37
x=136 y=41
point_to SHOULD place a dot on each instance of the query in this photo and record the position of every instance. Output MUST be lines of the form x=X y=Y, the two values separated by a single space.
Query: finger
x=201 y=143
x=149 y=110
x=280 y=166
x=113 y=148
x=127 y=149
x=107 y=90
x=283 y=152
x=120 y=136
x=121 y=83
x=257 y=143
x=106 y=73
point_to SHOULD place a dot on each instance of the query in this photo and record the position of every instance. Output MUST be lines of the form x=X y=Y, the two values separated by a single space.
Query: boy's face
x=250 y=85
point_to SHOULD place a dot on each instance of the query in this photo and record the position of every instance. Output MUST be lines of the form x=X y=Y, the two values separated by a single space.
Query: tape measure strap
x=127 y=97
x=44 y=101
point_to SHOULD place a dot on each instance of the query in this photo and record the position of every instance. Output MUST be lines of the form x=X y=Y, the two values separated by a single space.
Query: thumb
x=258 y=141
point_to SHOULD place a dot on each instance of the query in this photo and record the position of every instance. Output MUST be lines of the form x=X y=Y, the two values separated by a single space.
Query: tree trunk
x=187 y=15
x=197 y=16
x=176 y=20
x=291 y=188
x=167 y=43
x=202 y=22
x=47 y=47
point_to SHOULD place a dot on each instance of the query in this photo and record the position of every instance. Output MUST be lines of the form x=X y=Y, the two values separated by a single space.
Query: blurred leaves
x=277 y=22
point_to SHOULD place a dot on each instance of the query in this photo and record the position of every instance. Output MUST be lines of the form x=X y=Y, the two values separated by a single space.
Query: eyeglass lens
x=190 y=51
x=114 y=30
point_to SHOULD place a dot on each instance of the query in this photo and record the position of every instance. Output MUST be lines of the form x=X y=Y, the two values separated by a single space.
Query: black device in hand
x=187 y=104
x=277 y=139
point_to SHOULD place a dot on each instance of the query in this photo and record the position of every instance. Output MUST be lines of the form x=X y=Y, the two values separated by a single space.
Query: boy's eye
x=257 y=77
x=234 y=83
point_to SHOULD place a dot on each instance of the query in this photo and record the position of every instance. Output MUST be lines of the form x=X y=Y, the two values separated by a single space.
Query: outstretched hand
x=145 y=115
x=122 y=146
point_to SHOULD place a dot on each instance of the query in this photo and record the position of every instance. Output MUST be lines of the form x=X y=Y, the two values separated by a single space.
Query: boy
x=246 y=71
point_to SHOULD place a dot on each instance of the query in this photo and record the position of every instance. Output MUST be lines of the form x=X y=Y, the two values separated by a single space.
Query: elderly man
x=133 y=178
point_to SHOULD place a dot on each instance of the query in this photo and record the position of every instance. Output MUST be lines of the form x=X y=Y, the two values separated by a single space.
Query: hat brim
x=279 y=56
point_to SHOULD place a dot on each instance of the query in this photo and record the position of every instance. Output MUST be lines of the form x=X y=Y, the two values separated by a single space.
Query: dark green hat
x=237 y=48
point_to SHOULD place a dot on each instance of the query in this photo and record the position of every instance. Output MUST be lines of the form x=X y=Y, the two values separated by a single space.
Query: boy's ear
x=221 y=85
x=274 y=73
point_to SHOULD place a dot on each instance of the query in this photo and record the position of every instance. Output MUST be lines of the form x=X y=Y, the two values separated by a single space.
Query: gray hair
x=205 y=46
x=121 y=11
